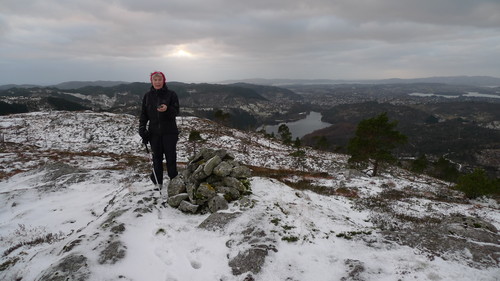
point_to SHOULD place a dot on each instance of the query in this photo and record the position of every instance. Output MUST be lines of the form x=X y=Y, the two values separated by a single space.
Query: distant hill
x=10 y=86
x=454 y=80
x=484 y=81
x=280 y=82
x=66 y=85
x=244 y=102
x=271 y=92
x=81 y=84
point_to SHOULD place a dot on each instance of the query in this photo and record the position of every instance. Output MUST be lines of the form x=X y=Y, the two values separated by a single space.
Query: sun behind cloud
x=180 y=53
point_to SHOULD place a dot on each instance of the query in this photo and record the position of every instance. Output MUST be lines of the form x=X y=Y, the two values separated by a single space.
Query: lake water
x=302 y=127
x=469 y=94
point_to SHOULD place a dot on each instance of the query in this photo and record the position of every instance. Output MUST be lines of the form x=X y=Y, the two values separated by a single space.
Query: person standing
x=157 y=125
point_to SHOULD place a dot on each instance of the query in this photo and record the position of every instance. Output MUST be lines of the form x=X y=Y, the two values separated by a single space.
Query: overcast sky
x=53 y=41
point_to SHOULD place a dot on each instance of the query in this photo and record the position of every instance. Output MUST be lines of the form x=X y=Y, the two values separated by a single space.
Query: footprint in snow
x=170 y=278
x=164 y=256
x=195 y=264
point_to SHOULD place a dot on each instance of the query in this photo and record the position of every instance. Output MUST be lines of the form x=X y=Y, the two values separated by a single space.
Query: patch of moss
x=246 y=183
x=290 y=238
x=350 y=234
x=275 y=221
x=8 y=263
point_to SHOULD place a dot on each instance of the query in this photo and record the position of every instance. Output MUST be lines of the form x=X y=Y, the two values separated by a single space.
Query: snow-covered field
x=75 y=184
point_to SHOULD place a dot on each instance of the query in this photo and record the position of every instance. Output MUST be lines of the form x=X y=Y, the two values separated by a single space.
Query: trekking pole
x=152 y=161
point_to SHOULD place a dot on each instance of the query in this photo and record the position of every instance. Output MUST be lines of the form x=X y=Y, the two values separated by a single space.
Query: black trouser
x=164 y=145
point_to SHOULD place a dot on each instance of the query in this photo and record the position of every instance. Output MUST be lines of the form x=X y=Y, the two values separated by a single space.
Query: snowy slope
x=115 y=133
x=75 y=184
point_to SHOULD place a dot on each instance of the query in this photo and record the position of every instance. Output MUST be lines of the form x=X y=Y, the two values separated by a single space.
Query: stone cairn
x=211 y=180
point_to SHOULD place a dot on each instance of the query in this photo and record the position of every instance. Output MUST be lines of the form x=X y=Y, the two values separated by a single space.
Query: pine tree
x=445 y=170
x=420 y=164
x=221 y=118
x=194 y=138
x=297 y=143
x=373 y=142
x=285 y=134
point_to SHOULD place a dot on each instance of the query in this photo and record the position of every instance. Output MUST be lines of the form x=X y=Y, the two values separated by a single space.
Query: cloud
x=271 y=39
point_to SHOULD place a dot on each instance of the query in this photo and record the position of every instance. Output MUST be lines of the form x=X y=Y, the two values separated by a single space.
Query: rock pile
x=211 y=180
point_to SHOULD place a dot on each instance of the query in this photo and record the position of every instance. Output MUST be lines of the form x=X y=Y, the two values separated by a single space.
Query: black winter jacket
x=159 y=122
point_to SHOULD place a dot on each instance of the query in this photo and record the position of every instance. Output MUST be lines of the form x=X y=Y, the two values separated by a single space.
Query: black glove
x=144 y=133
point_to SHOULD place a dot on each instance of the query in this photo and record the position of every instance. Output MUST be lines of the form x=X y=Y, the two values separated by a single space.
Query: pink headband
x=155 y=73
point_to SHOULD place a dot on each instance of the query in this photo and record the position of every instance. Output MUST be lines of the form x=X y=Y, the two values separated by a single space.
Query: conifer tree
x=297 y=143
x=444 y=169
x=420 y=164
x=374 y=140
x=285 y=134
x=221 y=118
x=194 y=138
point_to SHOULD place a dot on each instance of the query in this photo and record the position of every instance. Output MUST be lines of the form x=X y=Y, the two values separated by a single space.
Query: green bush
x=420 y=164
x=444 y=169
x=477 y=184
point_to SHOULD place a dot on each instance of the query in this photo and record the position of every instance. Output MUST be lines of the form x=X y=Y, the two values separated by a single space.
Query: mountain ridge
x=79 y=84
x=485 y=81
x=455 y=80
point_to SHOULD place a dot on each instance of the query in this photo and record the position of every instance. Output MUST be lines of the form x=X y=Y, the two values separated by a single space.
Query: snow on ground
x=76 y=206
x=167 y=245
